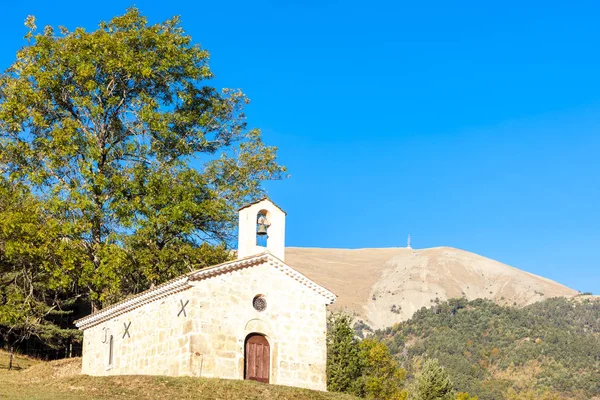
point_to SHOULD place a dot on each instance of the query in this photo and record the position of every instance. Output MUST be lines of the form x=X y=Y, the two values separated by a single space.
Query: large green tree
x=119 y=136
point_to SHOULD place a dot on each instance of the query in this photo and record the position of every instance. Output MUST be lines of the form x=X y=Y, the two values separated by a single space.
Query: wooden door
x=258 y=358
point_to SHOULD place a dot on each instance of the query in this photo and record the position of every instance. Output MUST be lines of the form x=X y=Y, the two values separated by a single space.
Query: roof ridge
x=258 y=201
x=182 y=283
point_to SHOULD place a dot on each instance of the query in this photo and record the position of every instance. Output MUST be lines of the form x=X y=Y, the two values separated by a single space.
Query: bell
x=261 y=230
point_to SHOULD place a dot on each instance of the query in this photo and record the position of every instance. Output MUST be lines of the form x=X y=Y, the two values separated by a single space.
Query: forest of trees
x=367 y=369
x=550 y=348
x=456 y=349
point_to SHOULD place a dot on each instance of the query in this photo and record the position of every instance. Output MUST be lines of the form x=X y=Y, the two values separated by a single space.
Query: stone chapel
x=252 y=318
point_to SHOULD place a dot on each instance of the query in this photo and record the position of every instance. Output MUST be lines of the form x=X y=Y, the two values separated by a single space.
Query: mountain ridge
x=383 y=286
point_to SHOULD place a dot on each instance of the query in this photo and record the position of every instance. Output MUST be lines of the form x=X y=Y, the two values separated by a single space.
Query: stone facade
x=207 y=338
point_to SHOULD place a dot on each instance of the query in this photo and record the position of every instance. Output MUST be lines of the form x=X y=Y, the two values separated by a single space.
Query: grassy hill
x=551 y=346
x=19 y=362
x=61 y=380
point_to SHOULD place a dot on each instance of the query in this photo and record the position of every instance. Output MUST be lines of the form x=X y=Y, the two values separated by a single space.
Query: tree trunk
x=10 y=359
x=96 y=305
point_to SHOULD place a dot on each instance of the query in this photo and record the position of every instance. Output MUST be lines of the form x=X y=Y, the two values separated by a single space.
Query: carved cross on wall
x=126 y=329
x=182 y=310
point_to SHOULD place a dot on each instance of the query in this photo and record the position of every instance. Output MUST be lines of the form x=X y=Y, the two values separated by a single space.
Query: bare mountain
x=385 y=286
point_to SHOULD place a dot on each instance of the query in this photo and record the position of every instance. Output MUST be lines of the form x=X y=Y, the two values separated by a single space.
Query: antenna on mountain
x=408 y=242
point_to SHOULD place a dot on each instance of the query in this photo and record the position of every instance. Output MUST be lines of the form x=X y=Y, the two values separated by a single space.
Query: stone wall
x=209 y=340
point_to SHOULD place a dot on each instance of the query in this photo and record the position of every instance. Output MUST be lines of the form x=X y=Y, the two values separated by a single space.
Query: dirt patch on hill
x=55 y=369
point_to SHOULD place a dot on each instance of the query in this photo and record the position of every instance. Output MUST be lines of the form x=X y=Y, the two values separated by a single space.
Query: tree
x=343 y=359
x=366 y=369
x=34 y=300
x=141 y=162
x=465 y=396
x=434 y=382
x=382 y=377
x=530 y=394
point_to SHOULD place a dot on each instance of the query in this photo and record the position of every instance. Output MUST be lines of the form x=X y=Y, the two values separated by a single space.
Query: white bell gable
x=247 y=233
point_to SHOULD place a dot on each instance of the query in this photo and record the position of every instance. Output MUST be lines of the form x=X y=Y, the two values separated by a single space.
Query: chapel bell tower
x=261 y=227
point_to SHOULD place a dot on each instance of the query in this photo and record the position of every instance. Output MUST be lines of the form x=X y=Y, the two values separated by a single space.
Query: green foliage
x=487 y=349
x=142 y=164
x=343 y=355
x=464 y=396
x=530 y=394
x=33 y=297
x=366 y=369
x=382 y=377
x=434 y=382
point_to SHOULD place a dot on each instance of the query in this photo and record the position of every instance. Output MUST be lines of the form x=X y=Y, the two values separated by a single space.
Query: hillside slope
x=61 y=380
x=385 y=286
x=552 y=345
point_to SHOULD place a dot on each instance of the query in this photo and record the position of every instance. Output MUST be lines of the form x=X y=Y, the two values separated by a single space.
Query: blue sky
x=464 y=124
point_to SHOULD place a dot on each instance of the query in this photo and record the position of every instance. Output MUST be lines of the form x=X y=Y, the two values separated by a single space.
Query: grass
x=19 y=362
x=61 y=380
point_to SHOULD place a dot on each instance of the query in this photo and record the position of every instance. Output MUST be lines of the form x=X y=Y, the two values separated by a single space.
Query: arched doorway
x=257 y=358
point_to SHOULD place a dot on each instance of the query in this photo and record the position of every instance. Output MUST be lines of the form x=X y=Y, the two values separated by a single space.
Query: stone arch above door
x=257 y=325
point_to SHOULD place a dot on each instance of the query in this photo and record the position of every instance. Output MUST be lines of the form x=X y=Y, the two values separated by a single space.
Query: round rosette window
x=259 y=303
